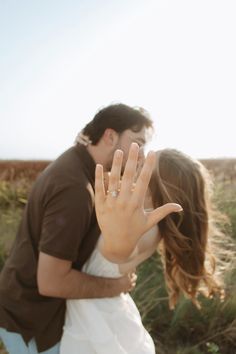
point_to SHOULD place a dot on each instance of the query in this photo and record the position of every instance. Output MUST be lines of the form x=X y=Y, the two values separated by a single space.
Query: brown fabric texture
x=59 y=219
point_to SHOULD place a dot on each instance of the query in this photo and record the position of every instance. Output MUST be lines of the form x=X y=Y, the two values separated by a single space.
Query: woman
x=130 y=235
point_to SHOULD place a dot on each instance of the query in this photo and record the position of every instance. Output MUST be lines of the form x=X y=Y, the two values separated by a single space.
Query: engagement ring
x=114 y=194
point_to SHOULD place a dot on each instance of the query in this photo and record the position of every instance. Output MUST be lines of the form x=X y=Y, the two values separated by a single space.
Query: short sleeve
x=66 y=221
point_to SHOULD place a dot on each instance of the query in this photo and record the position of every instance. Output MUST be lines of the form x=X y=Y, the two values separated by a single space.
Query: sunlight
x=154 y=55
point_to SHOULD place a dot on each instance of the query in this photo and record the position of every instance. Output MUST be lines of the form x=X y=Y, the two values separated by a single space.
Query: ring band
x=114 y=193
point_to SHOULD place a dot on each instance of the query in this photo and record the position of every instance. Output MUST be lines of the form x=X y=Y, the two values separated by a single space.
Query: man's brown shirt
x=59 y=220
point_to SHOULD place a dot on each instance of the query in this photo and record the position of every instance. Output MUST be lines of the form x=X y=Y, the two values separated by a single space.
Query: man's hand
x=120 y=210
x=128 y=282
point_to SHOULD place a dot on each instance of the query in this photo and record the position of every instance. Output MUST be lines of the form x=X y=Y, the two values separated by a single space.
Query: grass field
x=185 y=330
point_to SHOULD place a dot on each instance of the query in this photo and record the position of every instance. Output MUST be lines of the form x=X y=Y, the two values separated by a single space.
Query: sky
x=61 y=61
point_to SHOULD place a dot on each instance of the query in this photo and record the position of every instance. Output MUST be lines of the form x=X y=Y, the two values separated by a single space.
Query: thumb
x=160 y=213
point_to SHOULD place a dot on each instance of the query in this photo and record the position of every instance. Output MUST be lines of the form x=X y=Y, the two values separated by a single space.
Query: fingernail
x=119 y=153
x=178 y=207
x=134 y=144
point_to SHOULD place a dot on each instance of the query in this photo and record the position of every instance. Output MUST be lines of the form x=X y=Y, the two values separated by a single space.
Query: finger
x=132 y=275
x=134 y=278
x=114 y=176
x=100 y=194
x=143 y=180
x=160 y=213
x=130 y=170
x=132 y=271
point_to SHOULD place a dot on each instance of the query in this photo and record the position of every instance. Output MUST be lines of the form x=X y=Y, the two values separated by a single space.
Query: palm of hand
x=121 y=216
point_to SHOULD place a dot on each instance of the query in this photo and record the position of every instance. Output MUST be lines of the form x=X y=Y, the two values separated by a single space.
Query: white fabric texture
x=104 y=326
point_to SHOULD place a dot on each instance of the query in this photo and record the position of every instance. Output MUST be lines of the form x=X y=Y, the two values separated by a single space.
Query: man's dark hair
x=118 y=117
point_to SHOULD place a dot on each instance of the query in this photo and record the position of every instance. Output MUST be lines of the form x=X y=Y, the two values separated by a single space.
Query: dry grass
x=223 y=170
x=16 y=170
x=10 y=170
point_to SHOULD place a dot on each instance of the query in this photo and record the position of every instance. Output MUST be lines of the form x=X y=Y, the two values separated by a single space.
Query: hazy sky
x=60 y=61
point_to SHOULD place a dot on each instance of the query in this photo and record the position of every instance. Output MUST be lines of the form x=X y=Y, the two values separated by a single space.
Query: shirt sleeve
x=66 y=221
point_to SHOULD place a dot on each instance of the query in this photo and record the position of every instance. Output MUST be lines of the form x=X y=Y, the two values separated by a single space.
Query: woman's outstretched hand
x=120 y=210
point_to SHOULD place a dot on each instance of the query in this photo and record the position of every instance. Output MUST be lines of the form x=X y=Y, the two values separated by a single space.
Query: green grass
x=225 y=195
x=186 y=329
x=9 y=221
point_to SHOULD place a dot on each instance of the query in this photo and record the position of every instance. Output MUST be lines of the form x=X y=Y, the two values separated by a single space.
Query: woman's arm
x=146 y=246
x=138 y=259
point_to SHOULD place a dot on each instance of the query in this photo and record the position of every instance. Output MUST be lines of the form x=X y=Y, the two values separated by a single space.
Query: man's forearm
x=78 y=285
x=56 y=278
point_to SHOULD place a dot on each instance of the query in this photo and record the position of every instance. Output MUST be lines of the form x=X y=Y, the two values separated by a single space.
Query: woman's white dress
x=107 y=325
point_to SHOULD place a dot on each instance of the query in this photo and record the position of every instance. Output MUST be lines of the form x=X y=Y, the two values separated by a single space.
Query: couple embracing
x=65 y=285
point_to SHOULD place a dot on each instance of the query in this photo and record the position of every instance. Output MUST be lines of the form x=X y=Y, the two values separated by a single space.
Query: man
x=58 y=233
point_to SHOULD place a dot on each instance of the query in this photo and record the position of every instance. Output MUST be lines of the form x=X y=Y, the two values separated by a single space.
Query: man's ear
x=110 y=137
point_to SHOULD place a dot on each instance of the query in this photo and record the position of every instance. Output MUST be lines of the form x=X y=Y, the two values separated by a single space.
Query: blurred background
x=61 y=61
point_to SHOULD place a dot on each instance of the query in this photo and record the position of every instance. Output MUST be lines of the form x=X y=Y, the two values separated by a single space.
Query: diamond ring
x=114 y=193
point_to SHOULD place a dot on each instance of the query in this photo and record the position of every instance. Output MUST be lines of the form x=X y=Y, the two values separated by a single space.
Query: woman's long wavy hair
x=185 y=237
